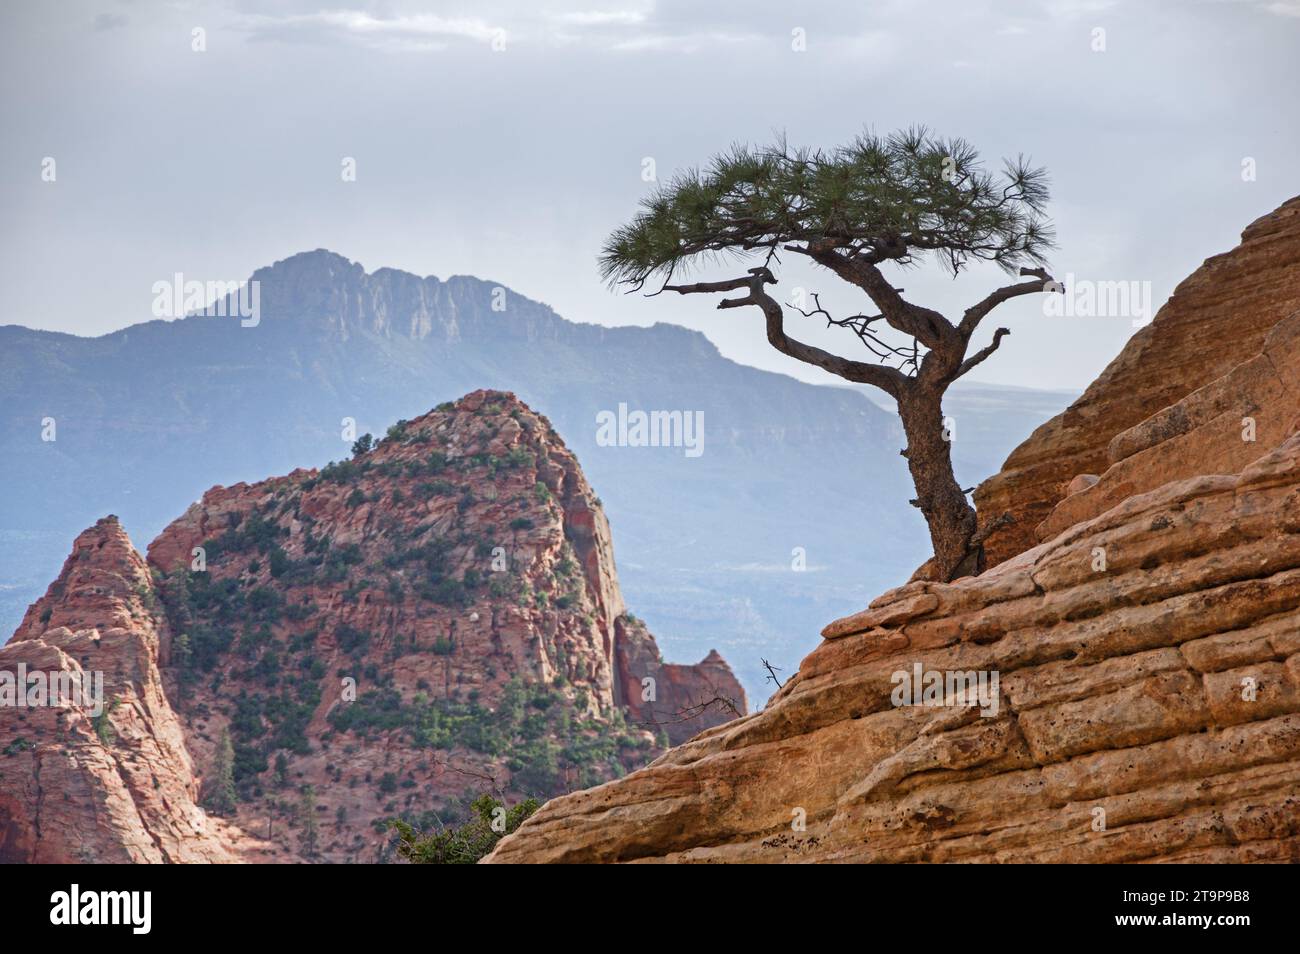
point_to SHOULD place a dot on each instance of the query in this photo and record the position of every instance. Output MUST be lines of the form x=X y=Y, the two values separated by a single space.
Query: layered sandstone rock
x=1218 y=429
x=1215 y=320
x=436 y=618
x=1149 y=709
x=77 y=785
x=1147 y=653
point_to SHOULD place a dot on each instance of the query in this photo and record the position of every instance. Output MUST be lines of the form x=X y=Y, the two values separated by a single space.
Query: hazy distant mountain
x=150 y=416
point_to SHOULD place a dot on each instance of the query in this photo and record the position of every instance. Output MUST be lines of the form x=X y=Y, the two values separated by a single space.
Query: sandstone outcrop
x=437 y=617
x=1219 y=428
x=681 y=701
x=1142 y=621
x=1149 y=710
x=115 y=785
x=1216 y=319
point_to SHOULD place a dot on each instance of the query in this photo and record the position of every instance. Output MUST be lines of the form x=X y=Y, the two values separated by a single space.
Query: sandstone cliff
x=1148 y=652
x=1216 y=319
x=113 y=787
x=438 y=616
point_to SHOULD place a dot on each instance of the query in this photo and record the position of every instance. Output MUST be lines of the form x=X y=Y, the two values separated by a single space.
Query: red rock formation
x=1216 y=319
x=680 y=700
x=436 y=617
x=114 y=787
x=1218 y=428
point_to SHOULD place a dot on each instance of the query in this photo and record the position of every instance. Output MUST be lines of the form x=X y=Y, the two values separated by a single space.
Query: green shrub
x=103 y=725
x=19 y=744
x=467 y=843
x=350 y=639
x=446 y=592
x=429 y=489
x=279 y=562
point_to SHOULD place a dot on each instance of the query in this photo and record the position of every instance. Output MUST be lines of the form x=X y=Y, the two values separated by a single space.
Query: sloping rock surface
x=1216 y=319
x=1149 y=709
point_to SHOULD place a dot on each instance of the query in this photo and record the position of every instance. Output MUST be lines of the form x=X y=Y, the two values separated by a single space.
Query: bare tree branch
x=926 y=325
x=889 y=380
x=861 y=326
x=975 y=313
x=690 y=713
x=983 y=353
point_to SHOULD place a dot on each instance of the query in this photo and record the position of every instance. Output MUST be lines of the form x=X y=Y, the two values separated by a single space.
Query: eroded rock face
x=1149 y=709
x=679 y=701
x=436 y=618
x=1215 y=320
x=1218 y=428
x=112 y=787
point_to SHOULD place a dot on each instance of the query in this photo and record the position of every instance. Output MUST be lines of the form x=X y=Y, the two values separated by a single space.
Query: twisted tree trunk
x=958 y=551
x=950 y=517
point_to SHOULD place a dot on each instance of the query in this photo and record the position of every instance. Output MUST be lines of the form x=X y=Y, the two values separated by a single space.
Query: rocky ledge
x=1149 y=709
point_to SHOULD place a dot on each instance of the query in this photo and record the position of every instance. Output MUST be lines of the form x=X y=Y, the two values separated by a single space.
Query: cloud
x=419 y=32
x=1281 y=8
x=110 y=21
x=1073 y=9
x=676 y=42
x=598 y=18
x=667 y=26
x=647 y=27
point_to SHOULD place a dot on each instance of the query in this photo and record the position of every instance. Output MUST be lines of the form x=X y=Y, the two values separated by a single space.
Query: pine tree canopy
x=873 y=200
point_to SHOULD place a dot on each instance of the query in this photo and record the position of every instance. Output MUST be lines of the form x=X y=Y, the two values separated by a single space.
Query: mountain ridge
x=151 y=415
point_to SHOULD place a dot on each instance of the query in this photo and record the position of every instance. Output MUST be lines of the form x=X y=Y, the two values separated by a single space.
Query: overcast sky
x=506 y=140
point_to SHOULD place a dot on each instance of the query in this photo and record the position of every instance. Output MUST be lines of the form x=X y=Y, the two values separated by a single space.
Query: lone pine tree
x=851 y=210
x=223 y=798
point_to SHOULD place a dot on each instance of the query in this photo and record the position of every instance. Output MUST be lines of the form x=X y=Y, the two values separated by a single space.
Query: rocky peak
x=98 y=772
x=103 y=582
x=479 y=499
x=435 y=616
x=324 y=293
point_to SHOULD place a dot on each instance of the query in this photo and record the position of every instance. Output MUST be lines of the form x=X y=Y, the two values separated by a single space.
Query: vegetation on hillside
x=462 y=844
